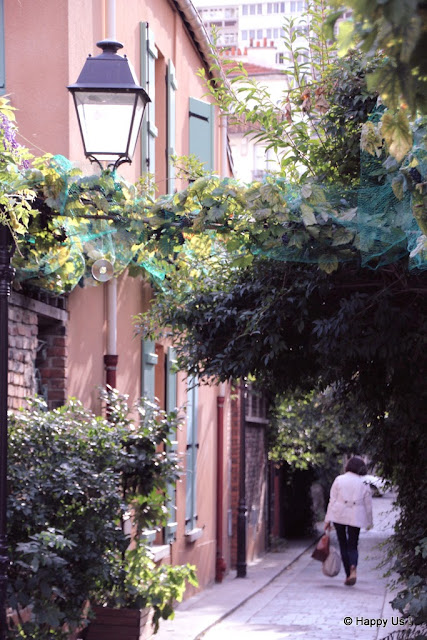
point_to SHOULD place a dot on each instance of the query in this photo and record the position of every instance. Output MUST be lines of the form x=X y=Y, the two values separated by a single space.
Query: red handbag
x=321 y=551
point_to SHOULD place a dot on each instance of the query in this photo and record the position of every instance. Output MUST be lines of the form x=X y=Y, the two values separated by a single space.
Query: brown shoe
x=351 y=580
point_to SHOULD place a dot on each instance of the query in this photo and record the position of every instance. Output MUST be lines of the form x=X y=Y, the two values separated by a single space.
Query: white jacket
x=350 y=501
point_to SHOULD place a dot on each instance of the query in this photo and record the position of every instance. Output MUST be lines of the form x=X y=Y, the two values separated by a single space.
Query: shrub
x=73 y=478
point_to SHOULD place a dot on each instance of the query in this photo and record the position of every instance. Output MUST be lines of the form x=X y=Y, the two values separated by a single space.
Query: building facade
x=63 y=346
x=250 y=23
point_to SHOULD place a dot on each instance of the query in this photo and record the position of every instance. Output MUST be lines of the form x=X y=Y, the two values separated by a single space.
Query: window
x=255 y=406
x=252 y=9
x=276 y=34
x=282 y=7
x=171 y=402
x=251 y=34
x=259 y=34
x=159 y=384
x=293 y=6
x=244 y=34
x=269 y=7
x=201 y=141
x=259 y=8
x=149 y=131
x=172 y=87
x=268 y=34
x=245 y=9
x=303 y=57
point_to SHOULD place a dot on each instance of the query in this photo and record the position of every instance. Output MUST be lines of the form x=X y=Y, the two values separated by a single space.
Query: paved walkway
x=286 y=596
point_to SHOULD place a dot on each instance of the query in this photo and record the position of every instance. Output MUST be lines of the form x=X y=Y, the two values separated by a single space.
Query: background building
x=254 y=37
x=250 y=23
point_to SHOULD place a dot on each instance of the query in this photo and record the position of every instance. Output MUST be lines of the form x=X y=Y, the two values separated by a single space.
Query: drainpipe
x=110 y=19
x=220 y=561
x=220 y=566
x=111 y=358
x=224 y=158
x=242 y=510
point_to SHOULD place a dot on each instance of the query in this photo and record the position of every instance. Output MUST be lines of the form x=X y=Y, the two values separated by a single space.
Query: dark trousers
x=348 y=537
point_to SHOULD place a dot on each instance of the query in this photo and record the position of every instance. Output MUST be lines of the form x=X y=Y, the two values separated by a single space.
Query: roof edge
x=197 y=29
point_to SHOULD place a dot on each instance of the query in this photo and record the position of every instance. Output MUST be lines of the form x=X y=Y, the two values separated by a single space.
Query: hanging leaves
x=321 y=104
x=397 y=133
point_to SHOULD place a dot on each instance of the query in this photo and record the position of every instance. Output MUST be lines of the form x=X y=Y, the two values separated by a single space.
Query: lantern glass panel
x=105 y=120
x=139 y=113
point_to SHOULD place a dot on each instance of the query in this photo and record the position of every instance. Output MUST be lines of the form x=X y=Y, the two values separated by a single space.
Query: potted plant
x=141 y=596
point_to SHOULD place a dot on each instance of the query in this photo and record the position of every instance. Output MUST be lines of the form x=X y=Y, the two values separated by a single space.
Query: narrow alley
x=298 y=601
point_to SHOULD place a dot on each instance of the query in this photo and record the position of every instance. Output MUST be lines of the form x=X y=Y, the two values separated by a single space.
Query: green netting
x=102 y=217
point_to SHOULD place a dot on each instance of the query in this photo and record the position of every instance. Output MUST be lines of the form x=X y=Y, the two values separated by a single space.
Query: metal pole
x=242 y=511
x=6 y=277
x=111 y=20
x=220 y=565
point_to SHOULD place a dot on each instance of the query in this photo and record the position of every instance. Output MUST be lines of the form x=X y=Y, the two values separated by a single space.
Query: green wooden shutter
x=192 y=448
x=148 y=386
x=201 y=132
x=172 y=88
x=149 y=361
x=2 y=63
x=149 y=130
x=171 y=402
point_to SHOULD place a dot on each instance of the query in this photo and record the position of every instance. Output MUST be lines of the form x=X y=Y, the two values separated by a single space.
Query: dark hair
x=357 y=465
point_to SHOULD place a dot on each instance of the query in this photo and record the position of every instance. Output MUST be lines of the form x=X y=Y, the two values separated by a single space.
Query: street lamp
x=110 y=106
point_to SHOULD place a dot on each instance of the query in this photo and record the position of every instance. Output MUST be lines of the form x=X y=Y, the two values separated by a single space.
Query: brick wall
x=37 y=350
x=52 y=362
x=23 y=329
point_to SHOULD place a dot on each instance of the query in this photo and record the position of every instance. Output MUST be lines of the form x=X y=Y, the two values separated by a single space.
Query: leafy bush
x=73 y=478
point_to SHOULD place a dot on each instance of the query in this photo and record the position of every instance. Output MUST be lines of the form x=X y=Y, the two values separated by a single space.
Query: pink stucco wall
x=47 y=42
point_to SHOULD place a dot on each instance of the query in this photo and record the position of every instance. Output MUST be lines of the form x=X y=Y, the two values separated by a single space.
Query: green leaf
x=398 y=185
x=307 y=213
x=397 y=133
x=342 y=236
x=328 y=262
x=346 y=35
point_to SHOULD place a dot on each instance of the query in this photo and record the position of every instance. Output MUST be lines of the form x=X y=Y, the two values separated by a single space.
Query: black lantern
x=110 y=106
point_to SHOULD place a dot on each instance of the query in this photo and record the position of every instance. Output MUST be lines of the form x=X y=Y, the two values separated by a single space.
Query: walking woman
x=350 y=509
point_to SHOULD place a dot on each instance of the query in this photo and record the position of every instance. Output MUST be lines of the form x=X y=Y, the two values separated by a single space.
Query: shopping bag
x=332 y=565
x=321 y=551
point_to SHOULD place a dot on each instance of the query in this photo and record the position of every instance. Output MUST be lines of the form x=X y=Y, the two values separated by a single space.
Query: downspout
x=220 y=565
x=224 y=157
x=111 y=358
x=110 y=19
x=242 y=509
